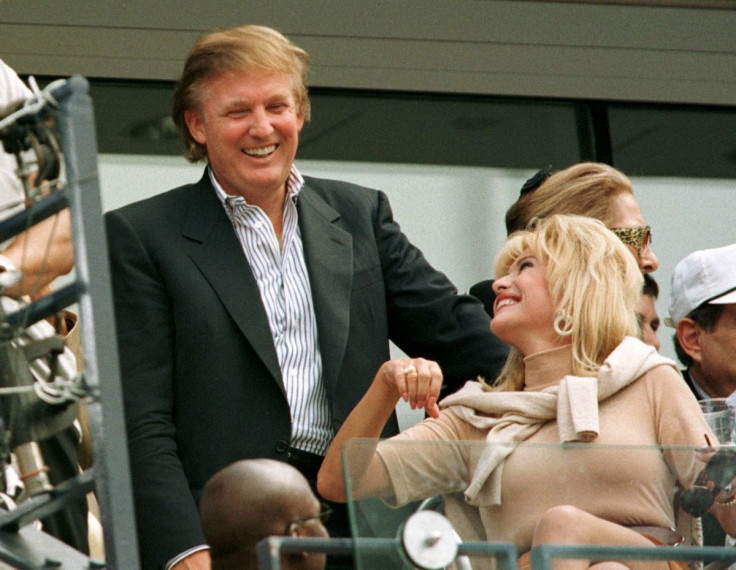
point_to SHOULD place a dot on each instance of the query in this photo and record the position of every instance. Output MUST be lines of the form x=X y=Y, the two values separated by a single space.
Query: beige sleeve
x=679 y=422
x=430 y=458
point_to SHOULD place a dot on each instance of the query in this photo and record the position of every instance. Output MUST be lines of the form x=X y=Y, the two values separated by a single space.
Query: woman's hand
x=416 y=380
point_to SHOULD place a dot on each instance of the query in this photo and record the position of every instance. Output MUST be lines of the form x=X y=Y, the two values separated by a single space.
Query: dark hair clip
x=536 y=181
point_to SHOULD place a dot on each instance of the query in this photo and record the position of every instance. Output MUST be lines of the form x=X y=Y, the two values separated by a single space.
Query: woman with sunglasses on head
x=590 y=189
x=567 y=291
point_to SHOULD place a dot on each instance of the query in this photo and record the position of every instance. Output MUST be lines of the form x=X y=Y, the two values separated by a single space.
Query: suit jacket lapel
x=221 y=260
x=328 y=251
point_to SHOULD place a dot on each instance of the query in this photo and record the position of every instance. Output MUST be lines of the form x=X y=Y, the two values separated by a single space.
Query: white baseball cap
x=705 y=276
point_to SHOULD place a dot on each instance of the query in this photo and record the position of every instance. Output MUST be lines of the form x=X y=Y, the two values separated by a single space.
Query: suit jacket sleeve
x=427 y=317
x=167 y=516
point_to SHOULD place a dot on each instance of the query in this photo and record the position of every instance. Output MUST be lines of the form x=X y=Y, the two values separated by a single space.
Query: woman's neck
x=547 y=367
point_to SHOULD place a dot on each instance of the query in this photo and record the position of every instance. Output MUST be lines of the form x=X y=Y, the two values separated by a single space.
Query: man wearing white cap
x=703 y=312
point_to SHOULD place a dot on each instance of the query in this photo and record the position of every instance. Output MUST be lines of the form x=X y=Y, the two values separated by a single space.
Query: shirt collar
x=702 y=395
x=294 y=184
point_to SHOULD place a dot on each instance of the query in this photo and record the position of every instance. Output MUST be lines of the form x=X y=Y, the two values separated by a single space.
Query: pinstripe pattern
x=286 y=294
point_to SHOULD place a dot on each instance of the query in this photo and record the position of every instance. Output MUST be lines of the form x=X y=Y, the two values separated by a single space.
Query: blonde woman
x=567 y=292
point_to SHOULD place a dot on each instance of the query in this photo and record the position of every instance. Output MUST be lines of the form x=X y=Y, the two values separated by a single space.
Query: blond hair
x=594 y=281
x=585 y=189
x=240 y=49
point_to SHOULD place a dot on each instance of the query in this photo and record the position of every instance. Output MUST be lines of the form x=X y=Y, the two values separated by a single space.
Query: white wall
x=455 y=214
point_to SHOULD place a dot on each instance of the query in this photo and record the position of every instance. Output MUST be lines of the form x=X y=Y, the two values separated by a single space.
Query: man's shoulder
x=344 y=197
x=169 y=201
x=328 y=187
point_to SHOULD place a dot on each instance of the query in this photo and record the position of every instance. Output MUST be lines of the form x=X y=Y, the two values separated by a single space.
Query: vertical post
x=96 y=319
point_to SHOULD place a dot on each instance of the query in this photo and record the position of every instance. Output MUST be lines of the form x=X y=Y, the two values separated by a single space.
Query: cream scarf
x=513 y=417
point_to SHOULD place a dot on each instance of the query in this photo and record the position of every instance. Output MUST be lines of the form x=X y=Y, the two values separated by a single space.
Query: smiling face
x=523 y=313
x=250 y=124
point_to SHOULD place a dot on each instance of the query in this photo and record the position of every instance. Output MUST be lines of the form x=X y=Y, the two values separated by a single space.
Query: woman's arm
x=41 y=253
x=418 y=382
x=680 y=421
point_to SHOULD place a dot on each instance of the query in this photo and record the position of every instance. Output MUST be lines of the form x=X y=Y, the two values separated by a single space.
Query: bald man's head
x=251 y=500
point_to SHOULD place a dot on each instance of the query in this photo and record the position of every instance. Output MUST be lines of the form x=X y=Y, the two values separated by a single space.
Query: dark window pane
x=677 y=141
x=133 y=117
x=439 y=129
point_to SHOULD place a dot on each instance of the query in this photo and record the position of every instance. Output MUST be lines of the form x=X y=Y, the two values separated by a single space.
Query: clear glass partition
x=494 y=496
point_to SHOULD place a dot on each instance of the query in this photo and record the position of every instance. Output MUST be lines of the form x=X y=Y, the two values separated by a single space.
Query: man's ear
x=689 y=334
x=195 y=124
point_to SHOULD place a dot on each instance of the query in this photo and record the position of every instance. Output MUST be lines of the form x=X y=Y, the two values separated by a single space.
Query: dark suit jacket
x=201 y=379
x=690 y=383
x=483 y=291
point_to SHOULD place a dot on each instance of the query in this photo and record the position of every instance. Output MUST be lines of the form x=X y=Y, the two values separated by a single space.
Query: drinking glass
x=719 y=415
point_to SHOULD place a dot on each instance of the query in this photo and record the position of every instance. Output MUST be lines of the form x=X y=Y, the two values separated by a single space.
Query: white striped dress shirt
x=283 y=281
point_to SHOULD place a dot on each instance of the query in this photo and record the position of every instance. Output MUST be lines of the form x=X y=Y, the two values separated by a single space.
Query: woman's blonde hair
x=594 y=281
x=585 y=189
x=240 y=49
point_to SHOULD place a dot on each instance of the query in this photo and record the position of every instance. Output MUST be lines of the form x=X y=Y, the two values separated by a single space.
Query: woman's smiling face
x=524 y=311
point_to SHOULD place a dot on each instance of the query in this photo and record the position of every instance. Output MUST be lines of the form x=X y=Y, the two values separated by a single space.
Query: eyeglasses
x=323 y=516
x=638 y=238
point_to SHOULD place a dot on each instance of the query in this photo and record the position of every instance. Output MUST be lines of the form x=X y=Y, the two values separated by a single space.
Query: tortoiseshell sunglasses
x=638 y=238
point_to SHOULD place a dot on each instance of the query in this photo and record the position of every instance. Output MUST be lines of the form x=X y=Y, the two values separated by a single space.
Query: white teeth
x=506 y=302
x=260 y=151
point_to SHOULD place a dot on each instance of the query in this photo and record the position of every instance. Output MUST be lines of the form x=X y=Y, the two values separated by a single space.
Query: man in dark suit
x=254 y=307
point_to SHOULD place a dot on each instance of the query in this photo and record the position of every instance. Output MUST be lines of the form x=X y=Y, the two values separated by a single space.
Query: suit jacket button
x=282 y=446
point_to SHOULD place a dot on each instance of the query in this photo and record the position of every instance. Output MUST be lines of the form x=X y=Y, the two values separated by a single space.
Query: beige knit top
x=632 y=485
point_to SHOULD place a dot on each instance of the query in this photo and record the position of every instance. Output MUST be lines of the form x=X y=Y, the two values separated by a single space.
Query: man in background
x=256 y=498
x=647 y=311
x=702 y=310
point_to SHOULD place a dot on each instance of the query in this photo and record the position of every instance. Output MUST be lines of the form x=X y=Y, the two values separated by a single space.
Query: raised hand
x=416 y=380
